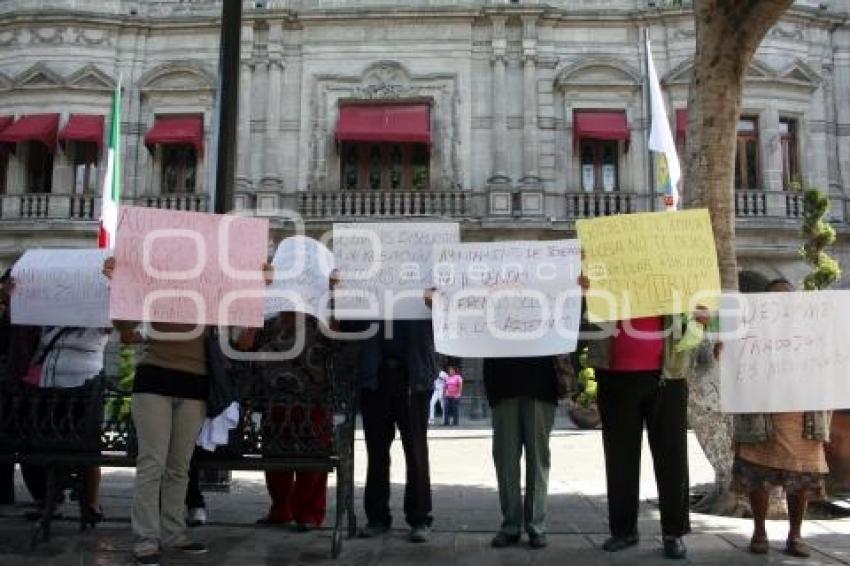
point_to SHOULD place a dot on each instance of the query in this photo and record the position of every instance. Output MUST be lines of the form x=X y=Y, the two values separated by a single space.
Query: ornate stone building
x=513 y=117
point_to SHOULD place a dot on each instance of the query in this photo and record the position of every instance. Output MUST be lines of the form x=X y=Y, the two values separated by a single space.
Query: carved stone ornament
x=384 y=90
x=9 y=38
x=45 y=35
x=385 y=80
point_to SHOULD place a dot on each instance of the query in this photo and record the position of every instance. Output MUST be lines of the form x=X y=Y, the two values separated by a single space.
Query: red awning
x=175 y=130
x=600 y=125
x=84 y=128
x=681 y=123
x=384 y=123
x=36 y=127
x=5 y=122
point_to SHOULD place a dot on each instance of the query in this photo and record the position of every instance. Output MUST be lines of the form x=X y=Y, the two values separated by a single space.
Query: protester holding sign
x=177 y=374
x=397 y=364
x=640 y=366
x=67 y=358
x=785 y=450
x=523 y=396
x=297 y=496
x=51 y=356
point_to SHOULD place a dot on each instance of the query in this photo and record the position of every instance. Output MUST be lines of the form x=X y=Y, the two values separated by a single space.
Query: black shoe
x=503 y=540
x=674 y=548
x=537 y=541
x=616 y=544
x=151 y=559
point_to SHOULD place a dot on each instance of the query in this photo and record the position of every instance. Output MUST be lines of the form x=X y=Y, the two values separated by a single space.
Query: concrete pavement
x=466 y=516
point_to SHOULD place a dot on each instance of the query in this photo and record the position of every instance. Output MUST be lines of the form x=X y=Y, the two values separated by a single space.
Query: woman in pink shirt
x=454 y=391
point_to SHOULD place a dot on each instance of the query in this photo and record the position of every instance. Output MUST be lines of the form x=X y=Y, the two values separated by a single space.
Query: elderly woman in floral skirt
x=780 y=450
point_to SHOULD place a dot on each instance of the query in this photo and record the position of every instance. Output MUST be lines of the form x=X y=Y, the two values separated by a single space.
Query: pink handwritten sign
x=188 y=267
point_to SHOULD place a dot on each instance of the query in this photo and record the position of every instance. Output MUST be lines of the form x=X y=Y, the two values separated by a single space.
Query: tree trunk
x=727 y=35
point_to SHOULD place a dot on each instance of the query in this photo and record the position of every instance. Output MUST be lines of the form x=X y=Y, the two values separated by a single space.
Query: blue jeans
x=452 y=416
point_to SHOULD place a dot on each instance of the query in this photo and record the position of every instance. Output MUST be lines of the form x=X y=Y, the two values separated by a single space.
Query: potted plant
x=583 y=409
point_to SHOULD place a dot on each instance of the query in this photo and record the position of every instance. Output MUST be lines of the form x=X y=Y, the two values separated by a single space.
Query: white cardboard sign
x=385 y=268
x=785 y=352
x=61 y=287
x=507 y=299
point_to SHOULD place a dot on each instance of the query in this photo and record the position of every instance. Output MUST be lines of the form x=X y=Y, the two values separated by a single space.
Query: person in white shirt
x=438 y=396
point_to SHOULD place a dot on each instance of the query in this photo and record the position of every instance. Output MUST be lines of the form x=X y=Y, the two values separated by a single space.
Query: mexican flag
x=112 y=181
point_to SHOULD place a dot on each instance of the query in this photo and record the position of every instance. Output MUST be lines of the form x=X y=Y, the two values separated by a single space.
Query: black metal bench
x=69 y=430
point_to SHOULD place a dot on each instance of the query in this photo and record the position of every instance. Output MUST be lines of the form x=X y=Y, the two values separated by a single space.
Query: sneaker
x=373 y=530
x=420 y=534
x=191 y=548
x=151 y=559
x=196 y=517
x=503 y=540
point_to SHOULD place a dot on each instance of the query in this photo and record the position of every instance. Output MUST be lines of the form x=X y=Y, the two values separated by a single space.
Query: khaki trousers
x=167 y=428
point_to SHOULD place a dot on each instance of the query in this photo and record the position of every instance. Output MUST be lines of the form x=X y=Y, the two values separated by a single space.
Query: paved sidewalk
x=466 y=515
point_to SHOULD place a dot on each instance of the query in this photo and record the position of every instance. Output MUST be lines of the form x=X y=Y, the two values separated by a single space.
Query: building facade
x=513 y=118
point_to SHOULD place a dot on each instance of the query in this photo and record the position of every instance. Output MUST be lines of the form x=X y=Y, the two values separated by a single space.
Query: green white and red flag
x=112 y=180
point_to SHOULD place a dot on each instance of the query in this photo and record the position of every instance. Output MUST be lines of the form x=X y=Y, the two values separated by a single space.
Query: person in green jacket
x=641 y=365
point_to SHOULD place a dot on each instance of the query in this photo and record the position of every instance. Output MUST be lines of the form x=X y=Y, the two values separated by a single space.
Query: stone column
x=500 y=98
x=271 y=169
x=243 y=153
x=529 y=97
x=771 y=149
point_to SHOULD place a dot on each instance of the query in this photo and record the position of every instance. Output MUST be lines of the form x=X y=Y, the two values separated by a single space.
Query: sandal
x=797 y=548
x=759 y=545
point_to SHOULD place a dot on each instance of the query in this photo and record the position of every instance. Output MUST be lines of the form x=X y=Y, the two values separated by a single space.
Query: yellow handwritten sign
x=649 y=264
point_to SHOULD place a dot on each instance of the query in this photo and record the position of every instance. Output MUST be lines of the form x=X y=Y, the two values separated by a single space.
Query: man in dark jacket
x=396 y=367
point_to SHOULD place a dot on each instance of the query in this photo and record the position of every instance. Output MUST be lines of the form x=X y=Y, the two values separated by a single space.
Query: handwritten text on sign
x=302 y=278
x=785 y=352
x=188 y=267
x=507 y=299
x=385 y=268
x=649 y=264
x=61 y=288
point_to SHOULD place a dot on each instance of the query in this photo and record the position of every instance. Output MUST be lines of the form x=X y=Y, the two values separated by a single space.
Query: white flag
x=668 y=171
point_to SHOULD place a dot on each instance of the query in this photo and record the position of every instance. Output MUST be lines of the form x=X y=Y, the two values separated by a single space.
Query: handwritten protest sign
x=385 y=268
x=507 y=299
x=302 y=277
x=189 y=267
x=785 y=352
x=649 y=264
x=61 y=288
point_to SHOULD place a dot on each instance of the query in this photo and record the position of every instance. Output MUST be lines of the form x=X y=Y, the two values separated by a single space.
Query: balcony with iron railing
x=753 y=208
x=329 y=205
x=86 y=208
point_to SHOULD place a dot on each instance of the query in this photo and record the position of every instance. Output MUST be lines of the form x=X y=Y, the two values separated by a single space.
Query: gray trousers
x=167 y=428
x=522 y=424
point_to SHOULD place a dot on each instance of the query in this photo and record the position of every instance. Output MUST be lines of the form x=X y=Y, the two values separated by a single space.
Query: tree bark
x=728 y=33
